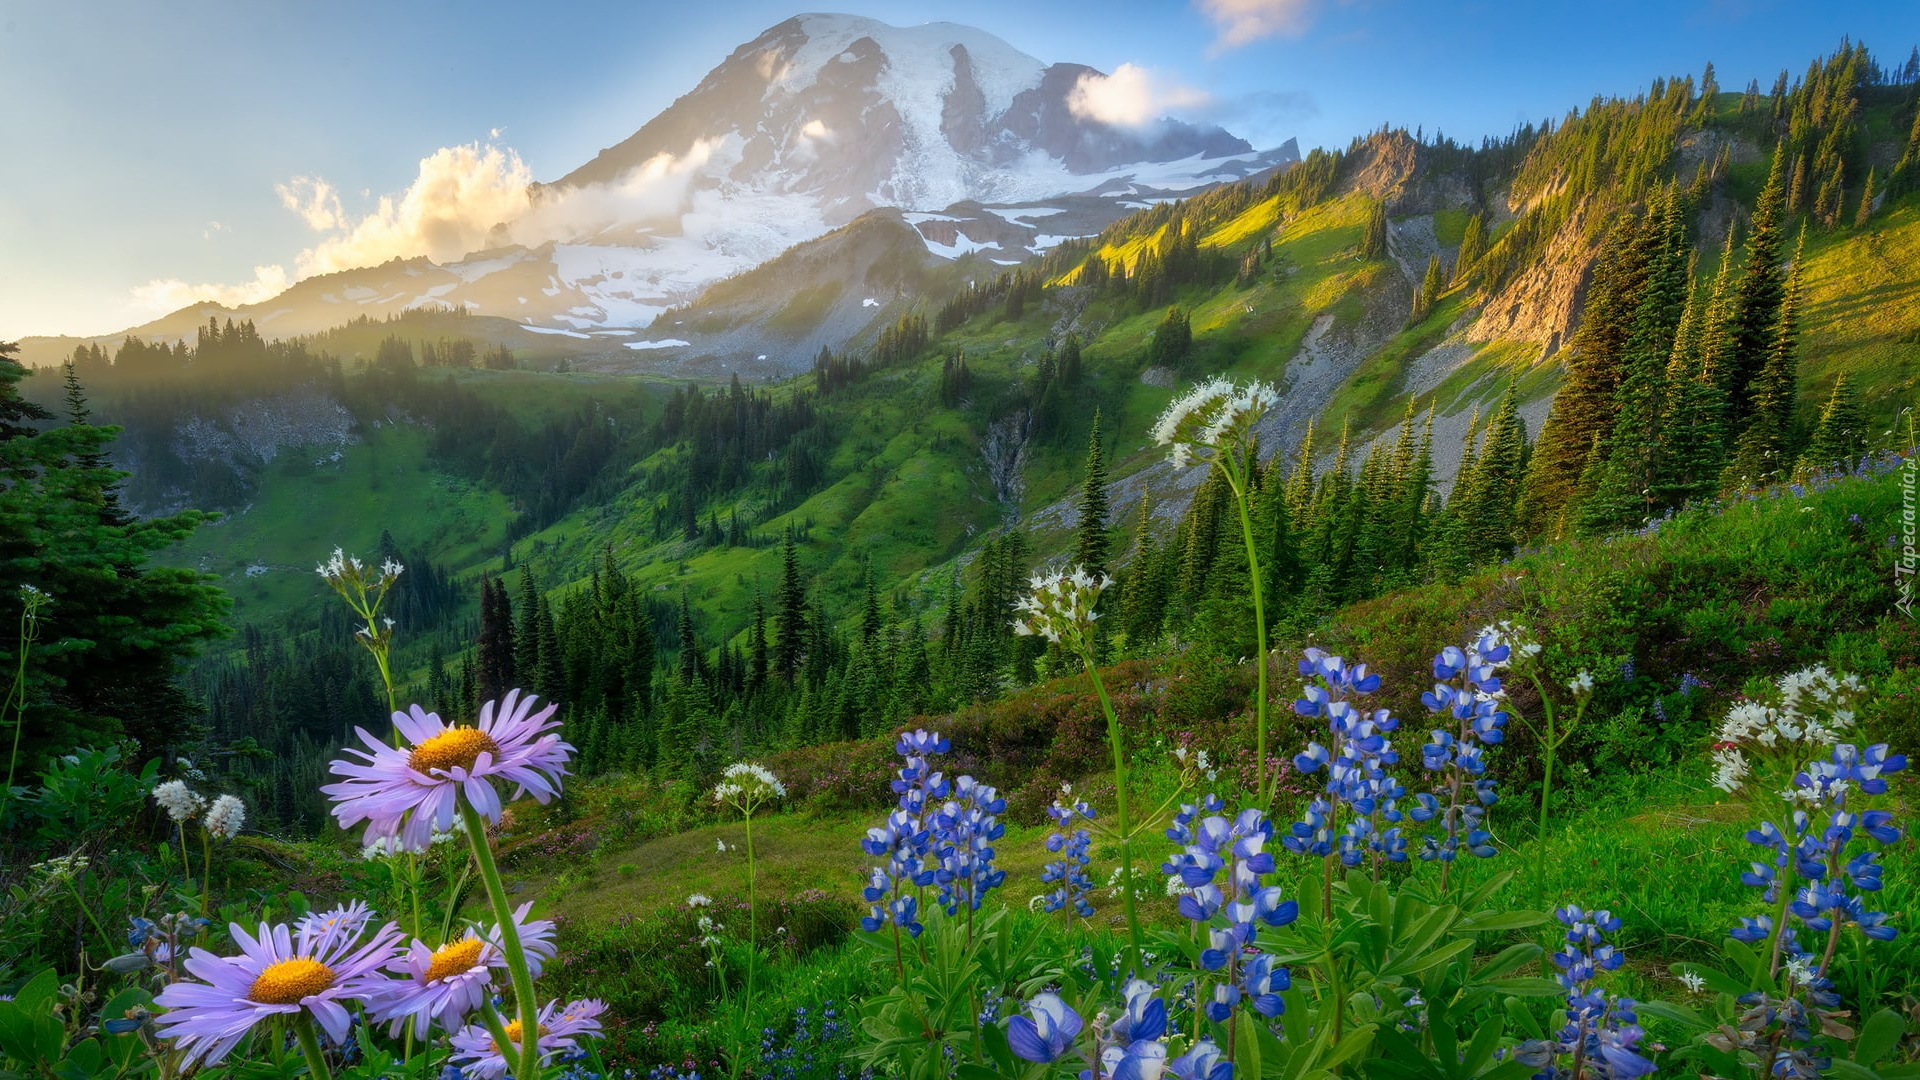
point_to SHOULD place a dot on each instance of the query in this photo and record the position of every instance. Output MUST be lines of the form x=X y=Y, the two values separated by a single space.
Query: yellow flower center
x=289 y=981
x=450 y=960
x=455 y=747
x=513 y=1032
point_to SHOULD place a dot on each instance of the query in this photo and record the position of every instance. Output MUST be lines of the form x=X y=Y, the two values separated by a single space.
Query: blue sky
x=146 y=141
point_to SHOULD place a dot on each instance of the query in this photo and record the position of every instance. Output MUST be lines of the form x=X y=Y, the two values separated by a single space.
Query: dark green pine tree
x=1487 y=518
x=1092 y=544
x=871 y=622
x=94 y=464
x=526 y=632
x=789 y=615
x=1693 y=424
x=1144 y=593
x=1373 y=239
x=117 y=629
x=757 y=646
x=1752 y=326
x=1765 y=450
x=1432 y=283
x=1070 y=360
x=689 y=642
x=1172 y=344
x=1473 y=244
x=1865 y=213
x=18 y=416
x=496 y=667
x=1841 y=435
x=1624 y=493
x=1583 y=409
x=551 y=681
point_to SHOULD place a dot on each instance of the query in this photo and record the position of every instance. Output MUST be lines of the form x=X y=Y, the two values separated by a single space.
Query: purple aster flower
x=478 y=1057
x=443 y=985
x=314 y=970
x=405 y=794
x=1045 y=1033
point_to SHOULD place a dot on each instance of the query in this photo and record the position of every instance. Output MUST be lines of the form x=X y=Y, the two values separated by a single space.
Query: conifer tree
x=1172 y=343
x=1755 y=315
x=1865 y=212
x=1841 y=435
x=1431 y=285
x=497 y=669
x=1583 y=409
x=526 y=633
x=1373 y=239
x=1693 y=420
x=790 y=615
x=1473 y=244
x=1764 y=452
x=1487 y=517
x=1092 y=544
x=757 y=645
x=1623 y=490
x=94 y=465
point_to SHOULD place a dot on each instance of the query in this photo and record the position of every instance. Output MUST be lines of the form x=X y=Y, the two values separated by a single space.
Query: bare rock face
x=1542 y=302
x=1392 y=168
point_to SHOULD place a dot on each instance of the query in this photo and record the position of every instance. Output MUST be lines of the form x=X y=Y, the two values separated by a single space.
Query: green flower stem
x=753 y=922
x=1115 y=739
x=1241 y=497
x=17 y=694
x=490 y=1016
x=1780 y=919
x=206 y=867
x=509 y=940
x=310 y=1046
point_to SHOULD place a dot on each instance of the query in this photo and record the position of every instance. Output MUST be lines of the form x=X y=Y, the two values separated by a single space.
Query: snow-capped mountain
x=813 y=123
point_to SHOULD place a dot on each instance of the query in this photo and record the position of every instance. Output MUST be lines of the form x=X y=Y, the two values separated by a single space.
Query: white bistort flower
x=1809 y=712
x=180 y=802
x=752 y=781
x=1214 y=417
x=1581 y=684
x=226 y=817
x=1060 y=606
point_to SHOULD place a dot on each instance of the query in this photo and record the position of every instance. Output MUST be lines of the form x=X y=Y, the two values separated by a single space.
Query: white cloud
x=459 y=194
x=463 y=199
x=1242 y=22
x=1132 y=96
x=162 y=295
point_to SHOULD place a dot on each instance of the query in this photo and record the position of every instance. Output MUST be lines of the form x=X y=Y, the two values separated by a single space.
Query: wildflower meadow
x=1335 y=867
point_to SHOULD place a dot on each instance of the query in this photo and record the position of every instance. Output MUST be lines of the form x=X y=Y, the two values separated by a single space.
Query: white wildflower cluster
x=699 y=900
x=180 y=802
x=709 y=931
x=31 y=601
x=1517 y=637
x=747 y=785
x=1060 y=606
x=1197 y=761
x=1693 y=981
x=1214 y=417
x=1142 y=883
x=189 y=770
x=383 y=847
x=1810 y=711
x=226 y=817
x=342 y=569
x=62 y=867
x=1581 y=684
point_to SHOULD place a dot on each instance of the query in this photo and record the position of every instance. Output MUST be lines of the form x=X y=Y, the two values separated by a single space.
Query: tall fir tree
x=1765 y=450
x=1473 y=244
x=1092 y=544
x=1373 y=238
x=1583 y=408
x=1754 y=319
x=1693 y=422
x=789 y=614
x=1624 y=491
x=1841 y=435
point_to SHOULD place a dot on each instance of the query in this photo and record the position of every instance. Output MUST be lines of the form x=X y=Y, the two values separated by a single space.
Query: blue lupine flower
x=1145 y=1016
x=1201 y=1062
x=1047 y=1030
x=1262 y=983
x=1602 y=1028
x=1076 y=850
x=1143 y=1059
x=1469 y=695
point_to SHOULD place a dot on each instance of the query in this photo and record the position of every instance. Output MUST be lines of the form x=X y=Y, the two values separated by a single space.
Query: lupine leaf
x=1878 y=1035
